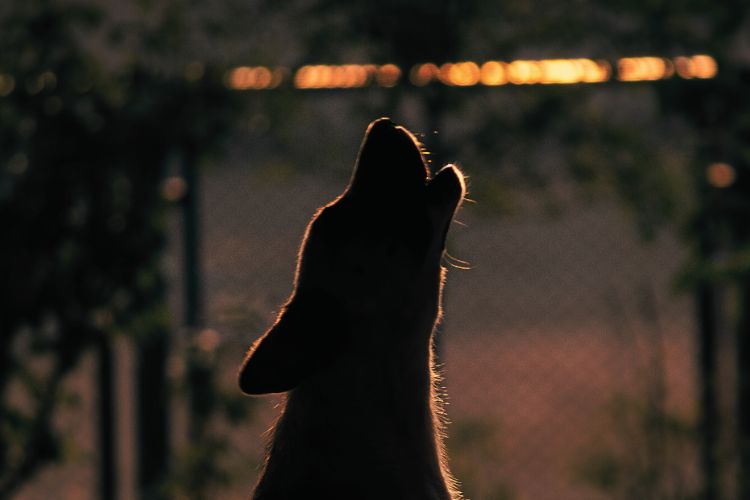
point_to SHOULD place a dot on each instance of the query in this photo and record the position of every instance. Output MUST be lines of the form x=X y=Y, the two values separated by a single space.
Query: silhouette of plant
x=646 y=449
x=84 y=136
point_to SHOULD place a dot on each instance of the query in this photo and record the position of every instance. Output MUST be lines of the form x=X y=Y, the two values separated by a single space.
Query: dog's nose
x=383 y=123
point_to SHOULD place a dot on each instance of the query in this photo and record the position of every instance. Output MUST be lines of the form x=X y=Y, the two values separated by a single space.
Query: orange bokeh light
x=467 y=73
x=346 y=76
x=493 y=73
x=388 y=75
x=697 y=66
x=422 y=74
x=524 y=72
x=638 y=69
x=255 y=77
x=720 y=175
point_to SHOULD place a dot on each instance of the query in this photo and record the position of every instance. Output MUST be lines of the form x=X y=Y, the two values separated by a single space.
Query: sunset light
x=374 y=250
x=698 y=66
x=636 y=69
x=255 y=78
x=470 y=73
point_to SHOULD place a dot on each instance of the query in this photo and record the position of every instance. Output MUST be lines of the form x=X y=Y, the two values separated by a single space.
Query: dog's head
x=372 y=252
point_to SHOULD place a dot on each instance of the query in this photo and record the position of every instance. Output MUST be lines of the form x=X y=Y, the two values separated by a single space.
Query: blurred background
x=159 y=160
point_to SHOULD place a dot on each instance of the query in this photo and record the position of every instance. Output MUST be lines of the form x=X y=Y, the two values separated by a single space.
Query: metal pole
x=705 y=304
x=105 y=405
x=199 y=367
x=152 y=406
x=152 y=412
x=706 y=317
x=191 y=241
x=742 y=339
x=743 y=390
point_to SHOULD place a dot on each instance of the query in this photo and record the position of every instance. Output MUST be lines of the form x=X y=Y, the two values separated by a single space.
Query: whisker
x=456 y=259
x=456 y=263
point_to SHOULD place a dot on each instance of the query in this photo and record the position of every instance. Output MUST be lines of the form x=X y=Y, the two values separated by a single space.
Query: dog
x=353 y=345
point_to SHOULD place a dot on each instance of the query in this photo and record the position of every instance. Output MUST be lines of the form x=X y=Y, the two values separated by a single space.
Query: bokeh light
x=721 y=175
x=422 y=74
x=493 y=73
x=457 y=74
x=388 y=75
x=346 y=76
x=637 y=69
x=208 y=340
x=173 y=188
x=697 y=66
x=255 y=77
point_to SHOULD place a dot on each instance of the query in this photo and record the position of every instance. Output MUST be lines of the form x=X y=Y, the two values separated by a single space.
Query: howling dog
x=353 y=344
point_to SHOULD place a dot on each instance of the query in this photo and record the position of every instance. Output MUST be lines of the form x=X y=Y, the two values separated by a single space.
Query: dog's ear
x=304 y=339
x=389 y=165
x=444 y=194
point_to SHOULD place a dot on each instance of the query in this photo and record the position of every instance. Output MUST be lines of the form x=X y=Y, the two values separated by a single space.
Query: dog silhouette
x=353 y=346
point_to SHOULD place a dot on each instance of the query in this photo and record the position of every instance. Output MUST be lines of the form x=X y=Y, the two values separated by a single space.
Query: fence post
x=105 y=407
x=152 y=405
x=706 y=317
x=191 y=240
x=152 y=412
x=199 y=370
x=743 y=390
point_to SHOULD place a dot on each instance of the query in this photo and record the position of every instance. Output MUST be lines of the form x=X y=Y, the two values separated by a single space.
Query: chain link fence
x=567 y=355
x=568 y=358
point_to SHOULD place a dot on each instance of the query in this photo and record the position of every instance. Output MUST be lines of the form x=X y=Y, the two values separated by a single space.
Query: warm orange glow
x=444 y=75
x=720 y=175
x=351 y=76
x=524 y=72
x=310 y=77
x=638 y=69
x=306 y=77
x=704 y=66
x=493 y=73
x=595 y=71
x=388 y=75
x=561 y=71
x=569 y=71
x=346 y=76
x=461 y=74
x=697 y=66
x=255 y=78
x=683 y=66
x=422 y=74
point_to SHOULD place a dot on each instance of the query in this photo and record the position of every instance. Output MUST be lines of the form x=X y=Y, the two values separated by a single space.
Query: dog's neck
x=353 y=344
x=368 y=424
